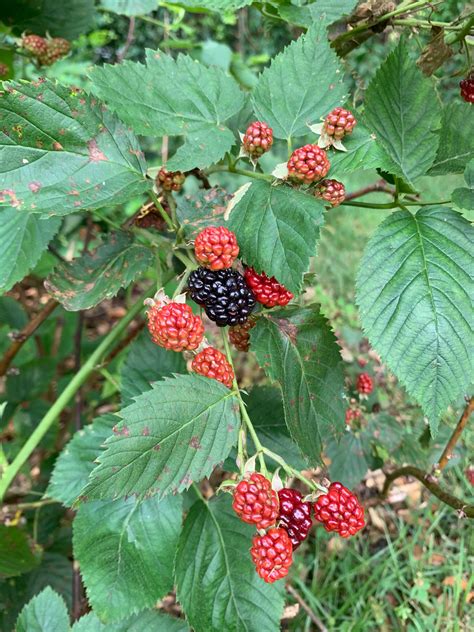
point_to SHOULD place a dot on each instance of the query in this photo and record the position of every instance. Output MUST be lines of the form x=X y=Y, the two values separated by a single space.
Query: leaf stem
x=243 y=410
x=240 y=172
x=292 y=472
x=65 y=397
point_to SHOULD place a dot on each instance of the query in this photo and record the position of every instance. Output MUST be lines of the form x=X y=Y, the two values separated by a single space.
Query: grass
x=413 y=576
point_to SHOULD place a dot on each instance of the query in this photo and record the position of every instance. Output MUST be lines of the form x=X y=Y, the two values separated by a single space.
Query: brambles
x=255 y=502
x=175 y=327
x=332 y=191
x=307 y=164
x=339 y=510
x=240 y=334
x=211 y=363
x=258 y=139
x=272 y=554
x=339 y=123
x=224 y=294
x=216 y=248
x=467 y=88
x=170 y=180
x=365 y=384
x=267 y=291
x=295 y=515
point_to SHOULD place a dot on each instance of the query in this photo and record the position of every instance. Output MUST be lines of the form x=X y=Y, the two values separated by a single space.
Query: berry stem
x=185 y=259
x=243 y=410
x=65 y=397
x=163 y=213
x=182 y=282
x=462 y=423
x=240 y=172
x=389 y=205
x=292 y=472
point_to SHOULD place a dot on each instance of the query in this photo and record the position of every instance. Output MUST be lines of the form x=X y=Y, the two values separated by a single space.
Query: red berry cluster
x=240 y=335
x=258 y=139
x=255 y=502
x=212 y=363
x=295 y=515
x=339 y=123
x=467 y=88
x=4 y=70
x=272 y=554
x=170 y=180
x=216 y=247
x=46 y=50
x=175 y=327
x=307 y=164
x=267 y=291
x=339 y=510
x=352 y=414
x=332 y=191
x=365 y=384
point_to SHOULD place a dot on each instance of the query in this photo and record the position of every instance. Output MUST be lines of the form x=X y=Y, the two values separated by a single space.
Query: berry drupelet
x=170 y=180
x=257 y=139
x=267 y=290
x=224 y=294
x=210 y=362
x=365 y=384
x=175 y=327
x=240 y=334
x=295 y=515
x=216 y=247
x=339 y=123
x=332 y=191
x=307 y=164
x=339 y=510
x=255 y=502
x=272 y=554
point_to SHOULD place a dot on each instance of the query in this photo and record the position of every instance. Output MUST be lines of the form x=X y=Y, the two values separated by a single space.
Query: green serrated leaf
x=216 y=580
x=219 y=6
x=88 y=280
x=126 y=550
x=149 y=621
x=302 y=84
x=415 y=307
x=12 y=313
x=59 y=19
x=277 y=229
x=297 y=348
x=456 y=139
x=16 y=555
x=169 y=437
x=464 y=197
x=326 y=11
x=147 y=363
x=348 y=464
x=62 y=151
x=23 y=239
x=130 y=7
x=77 y=460
x=203 y=208
x=44 y=613
x=363 y=152
x=401 y=107
x=177 y=97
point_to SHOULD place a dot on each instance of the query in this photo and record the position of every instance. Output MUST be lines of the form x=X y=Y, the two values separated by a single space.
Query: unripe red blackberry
x=295 y=515
x=56 y=48
x=332 y=191
x=255 y=502
x=352 y=414
x=34 y=44
x=339 y=123
x=467 y=88
x=339 y=510
x=216 y=247
x=240 y=334
x=170 y=180
x=307 y=164
x=210 y=362
x=272 y=554
x=257 y=139
x=266 y=289
x=365 y=384
x=175 y=327
x=4 y=70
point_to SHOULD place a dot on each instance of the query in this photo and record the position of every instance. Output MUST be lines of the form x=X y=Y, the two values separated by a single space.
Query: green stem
x=182 y=282
x=65 y=397
x=240 y=172
x=394 y=204
x=462 y=32
x=163 y=213
x=426 y=24
x=292 y=472
x=243 y=411
x=189 y=263
x=37 y=504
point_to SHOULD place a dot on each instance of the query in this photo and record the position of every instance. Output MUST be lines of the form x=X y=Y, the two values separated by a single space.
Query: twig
x=448 y=450
x=315 y=619
x=377 y=186
x=130 y=37
x=431 y=484
x=132 y=334
x=26 y=333
x=200 y=175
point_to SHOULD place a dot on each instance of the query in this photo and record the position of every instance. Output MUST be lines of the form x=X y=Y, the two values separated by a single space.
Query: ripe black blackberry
x=224 y=294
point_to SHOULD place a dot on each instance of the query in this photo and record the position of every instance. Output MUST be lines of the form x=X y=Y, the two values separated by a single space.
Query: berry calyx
x=175 y=327
x=240 y=334
x=332 y=191
x=467 y=88
x=257 y=139
x=216 y=247
x=339 y=123
x=307 y=164
x=210 y=362
x=272 y=554
x=255 y=502
x=266 y=289
x=339 y=510
x=34 y=44
x=170 y=180
x=365 y=384
x=295 y=515
x=224 y=294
